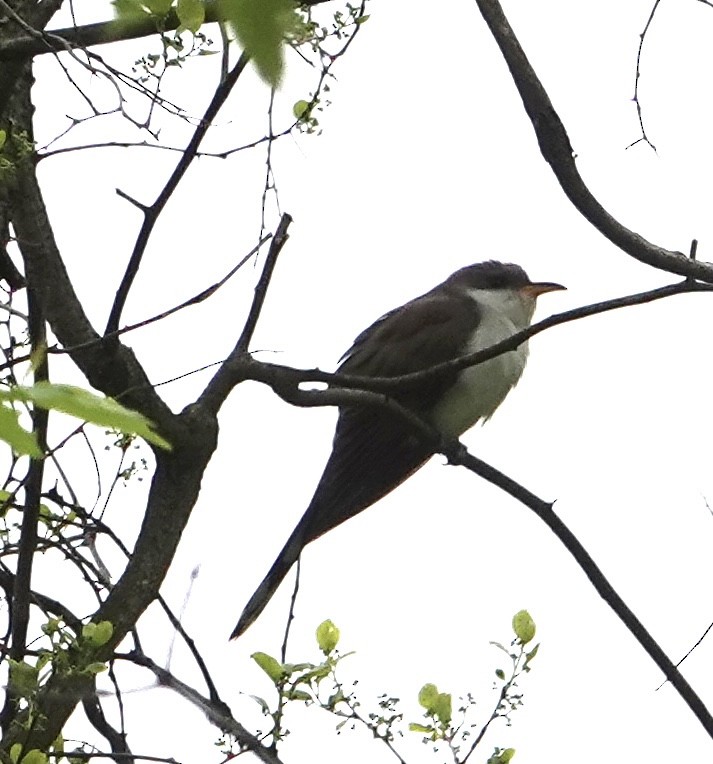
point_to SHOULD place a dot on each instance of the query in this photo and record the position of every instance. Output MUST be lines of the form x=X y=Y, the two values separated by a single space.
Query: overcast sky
x=426 y=163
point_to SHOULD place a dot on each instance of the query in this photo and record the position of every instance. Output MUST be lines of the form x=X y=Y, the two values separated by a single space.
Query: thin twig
x=642 y=37
x=276 y=245
x=152 y=213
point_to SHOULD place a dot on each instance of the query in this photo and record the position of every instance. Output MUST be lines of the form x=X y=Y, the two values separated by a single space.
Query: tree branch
x=557 y=151
x=152 y=213
x=278 y=242
x=457 y=454
x=218 y=714
x=101 y=33
x=113 y=370
x=239 y=367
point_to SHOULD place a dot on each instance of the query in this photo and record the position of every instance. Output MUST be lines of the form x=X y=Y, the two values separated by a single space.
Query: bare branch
x=642 y=37
x=278 y=242
x=457 y=454
x=152 y=213
x=111 y=372
x=218 y=713
x=239 y=367
x=557 y=151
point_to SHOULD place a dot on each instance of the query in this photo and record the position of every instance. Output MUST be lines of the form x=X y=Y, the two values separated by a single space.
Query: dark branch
x=241 y=366
x=218 y=714
x=278 y=242
x=152 y=213
x=112 y=370
x=639 y=113
x=557 y=151
x=458 y=454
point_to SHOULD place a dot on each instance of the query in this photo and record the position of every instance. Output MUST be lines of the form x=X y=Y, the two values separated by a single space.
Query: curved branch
x=557 y=151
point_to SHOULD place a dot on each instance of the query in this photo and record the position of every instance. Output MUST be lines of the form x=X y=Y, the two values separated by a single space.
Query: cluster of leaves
x=318 y=684
x=261 y=28
x=319 y=38
x=67 y=653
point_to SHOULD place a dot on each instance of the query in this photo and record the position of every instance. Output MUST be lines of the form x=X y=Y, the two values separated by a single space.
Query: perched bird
x=374 y=450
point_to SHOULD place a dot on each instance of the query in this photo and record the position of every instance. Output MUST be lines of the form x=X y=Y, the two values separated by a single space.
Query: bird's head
x=504 y=287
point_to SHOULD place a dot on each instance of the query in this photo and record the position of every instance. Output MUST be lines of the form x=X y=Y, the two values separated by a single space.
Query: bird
x=375 y=450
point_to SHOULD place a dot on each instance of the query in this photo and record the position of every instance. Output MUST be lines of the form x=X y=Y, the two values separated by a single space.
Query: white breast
x=481 y=389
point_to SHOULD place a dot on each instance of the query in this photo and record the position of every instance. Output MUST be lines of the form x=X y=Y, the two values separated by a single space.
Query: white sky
x=428 y=163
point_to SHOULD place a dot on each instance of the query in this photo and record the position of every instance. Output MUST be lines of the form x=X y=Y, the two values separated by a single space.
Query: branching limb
x=557 y=151
x=117 y=740
x=218 y=714
x=111 y=370
x=239 y=367
x=151 y=214
x=456 y=453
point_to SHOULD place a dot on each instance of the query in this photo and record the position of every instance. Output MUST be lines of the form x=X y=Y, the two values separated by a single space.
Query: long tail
x=372 y=454
x=263 y=594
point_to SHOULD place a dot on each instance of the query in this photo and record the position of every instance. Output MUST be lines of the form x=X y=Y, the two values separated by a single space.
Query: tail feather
x=373 y=453
x=275 y=576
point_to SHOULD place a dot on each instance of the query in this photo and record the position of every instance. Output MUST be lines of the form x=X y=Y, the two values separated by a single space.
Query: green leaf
x=83 y=404
x=529 y=656
x=271 y=666
x=23 y=678
x=98 y=634
x=523 y=626
x=443 y=708
x=427 y=696
x=413 y=727
x=262 y=703
x=96 y=668
x=15 y=752
x=3 y=138
x=503 y=757
x=34 y=756
x=261 y=27
x=51 y=626
x=335 y=699
x=327 y=636
x=293 y=694
x=317 y=673
x=300 y=109
x=20 y=440
x=191 y=14
x=500 y=674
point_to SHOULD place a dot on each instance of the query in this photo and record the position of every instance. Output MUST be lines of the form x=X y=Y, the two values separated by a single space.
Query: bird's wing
x=373 y=450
